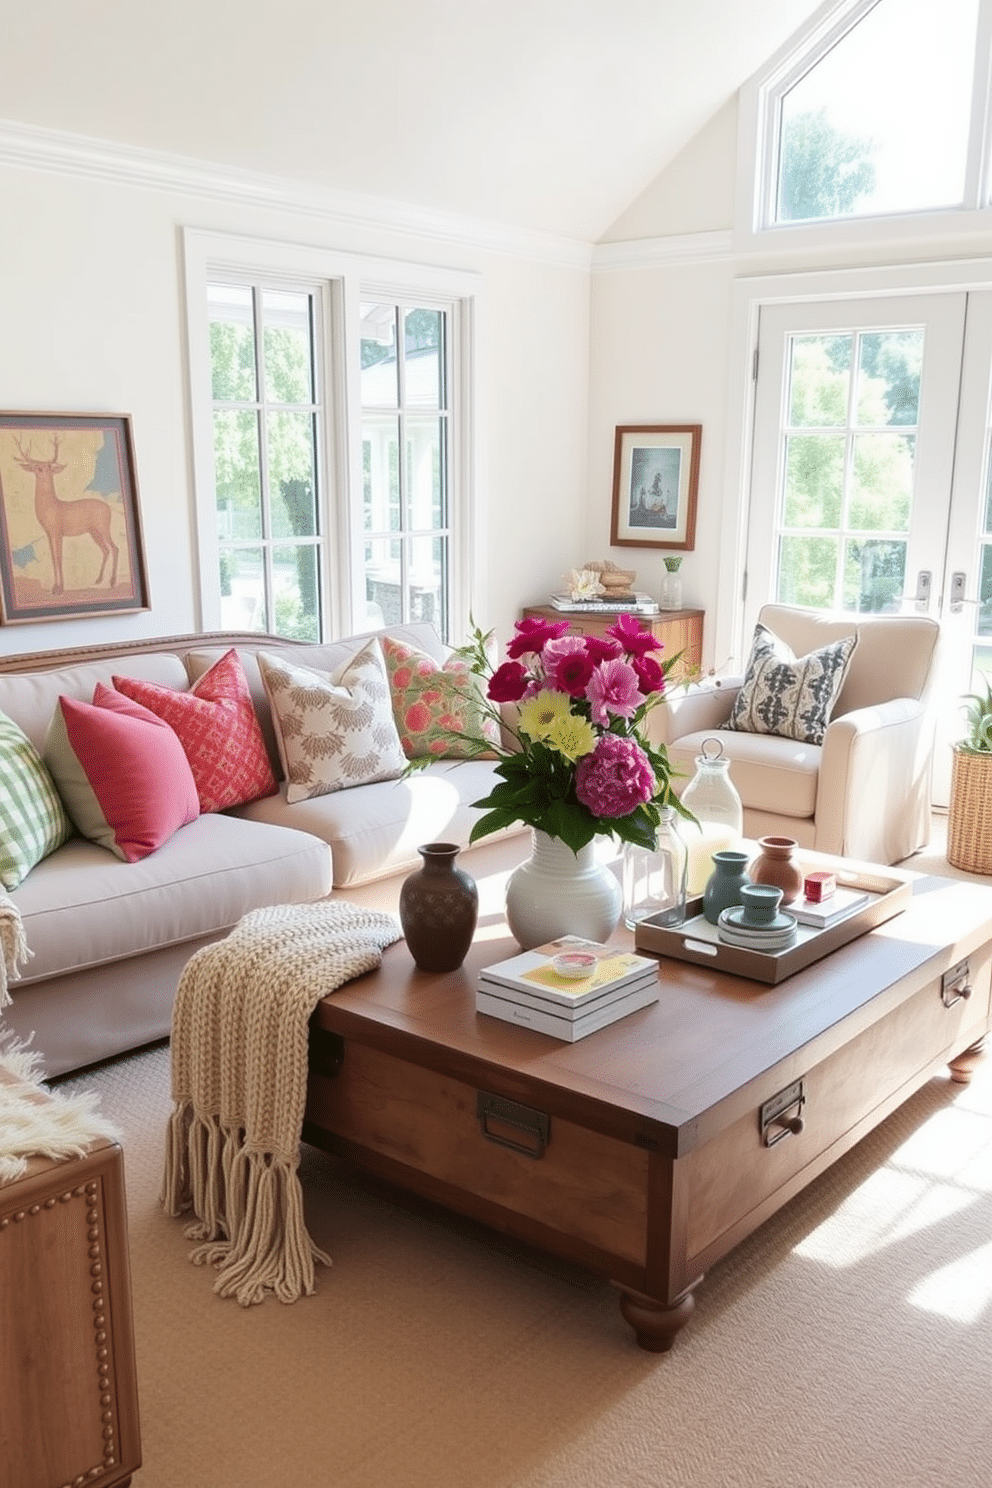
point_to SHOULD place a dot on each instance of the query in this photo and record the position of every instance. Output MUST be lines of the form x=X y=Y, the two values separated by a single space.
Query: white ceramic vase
x=559 y=892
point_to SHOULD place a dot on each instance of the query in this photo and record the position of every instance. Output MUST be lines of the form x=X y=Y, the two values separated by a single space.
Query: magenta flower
x=615 y=778
x=508 y=683
x=633 y=636
x=567 y=665
x=613 y=690
x=533 y=633
x=649 y=674
x=600 y=649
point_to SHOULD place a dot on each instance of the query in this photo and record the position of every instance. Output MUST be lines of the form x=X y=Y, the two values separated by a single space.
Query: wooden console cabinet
x=68 y=1393
x=678 y=630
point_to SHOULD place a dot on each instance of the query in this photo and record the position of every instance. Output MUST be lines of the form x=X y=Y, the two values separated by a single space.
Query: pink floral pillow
x=437 y=707
x=218 y=729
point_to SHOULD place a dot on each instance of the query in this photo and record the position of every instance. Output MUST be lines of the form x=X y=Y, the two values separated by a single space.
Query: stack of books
x=528 y=989
x=638 y=604
x=841 y=904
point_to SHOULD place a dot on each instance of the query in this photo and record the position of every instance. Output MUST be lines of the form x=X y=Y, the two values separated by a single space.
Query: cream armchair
x=865 y=792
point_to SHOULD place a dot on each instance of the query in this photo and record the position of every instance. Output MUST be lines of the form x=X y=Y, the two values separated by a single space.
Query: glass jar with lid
x=712 y=798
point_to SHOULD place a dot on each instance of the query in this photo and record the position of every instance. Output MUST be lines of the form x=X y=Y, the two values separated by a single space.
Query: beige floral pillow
x=334 y=729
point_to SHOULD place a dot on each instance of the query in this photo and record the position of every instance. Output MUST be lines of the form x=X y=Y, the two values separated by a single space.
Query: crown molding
x=648 y=253
x=30 y=148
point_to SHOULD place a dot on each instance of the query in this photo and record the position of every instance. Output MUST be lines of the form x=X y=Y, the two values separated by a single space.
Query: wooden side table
x=678 y=630
x=67 y=1374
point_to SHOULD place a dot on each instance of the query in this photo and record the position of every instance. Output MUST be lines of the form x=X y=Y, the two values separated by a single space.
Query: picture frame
x=655 y=484
x=70 y=522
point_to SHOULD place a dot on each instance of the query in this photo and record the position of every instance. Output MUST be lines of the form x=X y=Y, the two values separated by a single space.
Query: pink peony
x=533 y=633
x=613 y=689
x=615 y=778
x=508 y=683
x=633 y=636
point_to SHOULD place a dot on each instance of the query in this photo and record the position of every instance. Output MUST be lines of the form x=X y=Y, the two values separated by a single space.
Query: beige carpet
x=847 y=1344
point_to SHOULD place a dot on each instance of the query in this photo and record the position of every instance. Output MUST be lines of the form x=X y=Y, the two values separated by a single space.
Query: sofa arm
x=873 y=795
x=689 y=710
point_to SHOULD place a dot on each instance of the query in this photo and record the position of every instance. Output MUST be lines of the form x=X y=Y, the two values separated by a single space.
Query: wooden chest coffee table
x=649 y=1149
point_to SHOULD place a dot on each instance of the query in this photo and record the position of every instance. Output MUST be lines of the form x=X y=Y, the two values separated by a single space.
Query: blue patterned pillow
x=789 y=696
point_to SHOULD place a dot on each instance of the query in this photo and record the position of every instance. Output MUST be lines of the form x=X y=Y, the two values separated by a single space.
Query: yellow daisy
x=539 y=714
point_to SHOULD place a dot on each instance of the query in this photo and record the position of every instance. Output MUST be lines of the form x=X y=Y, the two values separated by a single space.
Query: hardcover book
x=570 y=1029
x=533 y=972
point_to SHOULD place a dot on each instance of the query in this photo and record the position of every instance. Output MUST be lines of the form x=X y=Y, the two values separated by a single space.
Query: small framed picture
x=70 y=527
x=655 y=479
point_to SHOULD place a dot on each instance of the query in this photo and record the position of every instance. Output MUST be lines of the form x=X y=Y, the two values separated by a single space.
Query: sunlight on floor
x=942 y=1170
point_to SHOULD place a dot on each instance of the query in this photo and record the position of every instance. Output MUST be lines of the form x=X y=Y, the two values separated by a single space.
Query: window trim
x=340 y=280
x=755 y=229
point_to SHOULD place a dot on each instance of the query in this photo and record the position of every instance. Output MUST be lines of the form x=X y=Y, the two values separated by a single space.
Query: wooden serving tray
x=697 y=940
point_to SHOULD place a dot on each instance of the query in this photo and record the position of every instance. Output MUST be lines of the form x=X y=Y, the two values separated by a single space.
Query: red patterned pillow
x=437 y=707
x=218 y=730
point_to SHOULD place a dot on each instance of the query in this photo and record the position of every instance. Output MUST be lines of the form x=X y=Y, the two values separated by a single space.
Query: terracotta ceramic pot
x=776 y=865
x=439 y=907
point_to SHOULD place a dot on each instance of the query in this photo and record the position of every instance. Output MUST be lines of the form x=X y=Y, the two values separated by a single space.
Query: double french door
x=870 y=488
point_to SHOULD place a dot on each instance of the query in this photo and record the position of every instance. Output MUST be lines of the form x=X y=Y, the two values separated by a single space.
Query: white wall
x=92 y=320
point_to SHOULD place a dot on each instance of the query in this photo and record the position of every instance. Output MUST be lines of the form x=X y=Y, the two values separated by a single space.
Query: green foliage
x=824 y=173
x=978 y=717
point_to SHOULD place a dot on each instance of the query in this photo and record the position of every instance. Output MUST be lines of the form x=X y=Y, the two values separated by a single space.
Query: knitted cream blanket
x=239 y=1076
x=13 y=946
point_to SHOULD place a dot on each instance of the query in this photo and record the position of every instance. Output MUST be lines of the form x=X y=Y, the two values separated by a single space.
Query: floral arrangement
x=579 y=764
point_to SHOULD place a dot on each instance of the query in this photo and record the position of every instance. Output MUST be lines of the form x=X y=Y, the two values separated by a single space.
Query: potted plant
x=671 y=583
x=969 y=820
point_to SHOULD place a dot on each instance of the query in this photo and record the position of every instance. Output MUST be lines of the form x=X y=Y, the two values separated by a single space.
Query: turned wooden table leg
x=963 y=1067
x=654 y=1324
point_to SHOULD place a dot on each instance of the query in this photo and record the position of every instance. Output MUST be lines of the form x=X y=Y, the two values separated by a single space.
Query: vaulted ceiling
x=550 y=115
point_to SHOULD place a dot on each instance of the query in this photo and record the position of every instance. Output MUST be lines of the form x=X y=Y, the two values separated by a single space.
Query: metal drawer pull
x=773 y=1119
x=534 y=1126
x=955 y=986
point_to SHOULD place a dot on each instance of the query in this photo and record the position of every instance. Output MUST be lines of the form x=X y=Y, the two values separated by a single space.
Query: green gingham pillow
x=790 y=696
x=33 y=822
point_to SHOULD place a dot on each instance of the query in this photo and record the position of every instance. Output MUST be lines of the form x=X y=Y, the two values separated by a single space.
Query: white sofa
x=865 y=791
x=109 y=939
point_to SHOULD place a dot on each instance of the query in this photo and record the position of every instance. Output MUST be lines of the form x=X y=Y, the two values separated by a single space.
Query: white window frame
x=340 y=281
x=755 y=227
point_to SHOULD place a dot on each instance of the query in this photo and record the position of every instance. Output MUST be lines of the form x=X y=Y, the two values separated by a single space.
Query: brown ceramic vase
x=776 y=865
x=439 y=907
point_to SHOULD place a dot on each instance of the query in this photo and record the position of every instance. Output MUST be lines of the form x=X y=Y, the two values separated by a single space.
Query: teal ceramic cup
x=761 y=902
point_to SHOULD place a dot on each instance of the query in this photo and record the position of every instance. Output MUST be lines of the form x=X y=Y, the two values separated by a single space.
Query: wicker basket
x=969 y=819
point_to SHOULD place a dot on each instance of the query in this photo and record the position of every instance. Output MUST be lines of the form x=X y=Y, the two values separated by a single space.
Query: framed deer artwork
x=70 y=527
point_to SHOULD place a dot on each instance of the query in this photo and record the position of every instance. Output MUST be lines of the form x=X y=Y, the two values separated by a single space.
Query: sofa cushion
x=121 y=771
x=375 y=830
x=772 y=775
x=788 y=696
x=436 y=705
x=33 y=820
x=335 y=730
x=83 y=907
x=217 y=727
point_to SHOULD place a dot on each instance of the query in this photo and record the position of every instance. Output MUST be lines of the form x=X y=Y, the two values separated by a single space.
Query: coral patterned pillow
x=437 y=707
x=218 y=730
x=335 y=729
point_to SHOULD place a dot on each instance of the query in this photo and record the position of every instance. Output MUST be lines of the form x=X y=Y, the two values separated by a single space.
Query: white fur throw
x=239 y=1076
x=35 y=1122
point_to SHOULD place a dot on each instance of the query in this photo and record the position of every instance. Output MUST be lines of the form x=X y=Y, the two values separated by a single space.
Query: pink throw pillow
x=121 y=773
x=218 y=730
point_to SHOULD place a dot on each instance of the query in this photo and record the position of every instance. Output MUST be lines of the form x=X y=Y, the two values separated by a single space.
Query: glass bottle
x=654 y=878
x=712 y=798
